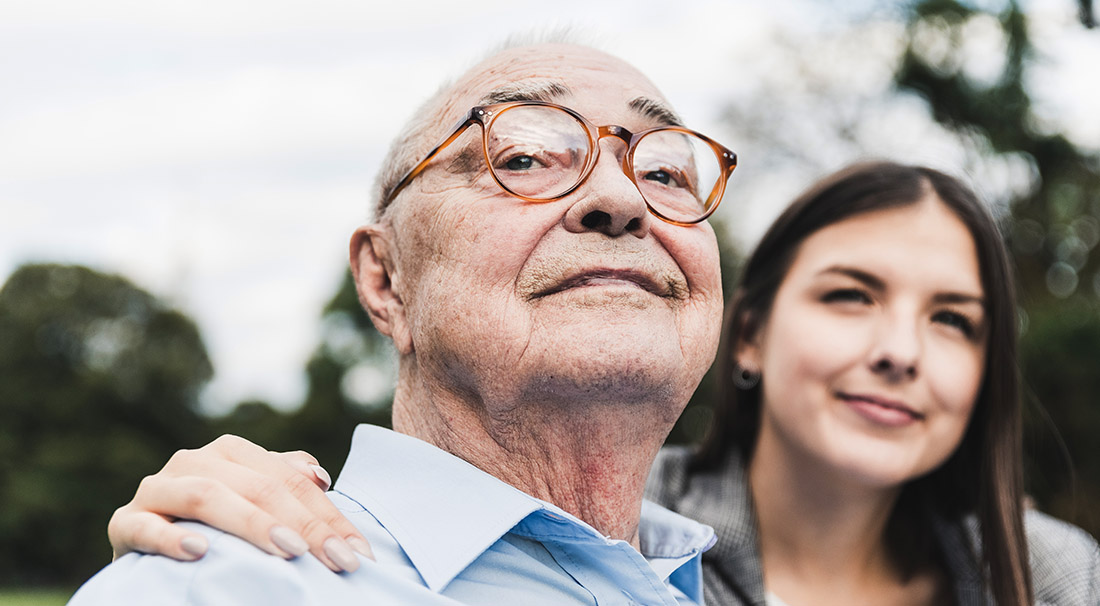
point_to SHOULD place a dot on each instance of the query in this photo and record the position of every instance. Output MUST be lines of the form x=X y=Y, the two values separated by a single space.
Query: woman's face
x=874 y=350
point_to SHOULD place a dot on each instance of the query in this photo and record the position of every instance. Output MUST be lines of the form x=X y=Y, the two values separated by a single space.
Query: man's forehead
x=563 y=73
x=558 y=91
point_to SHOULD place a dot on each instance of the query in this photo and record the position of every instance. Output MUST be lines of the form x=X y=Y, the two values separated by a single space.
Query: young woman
x=866 y=448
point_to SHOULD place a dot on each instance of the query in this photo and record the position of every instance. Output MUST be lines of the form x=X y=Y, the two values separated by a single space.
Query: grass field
x=34 y=597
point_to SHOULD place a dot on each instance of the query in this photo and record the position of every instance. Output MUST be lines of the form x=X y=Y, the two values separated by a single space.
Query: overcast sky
x=219 y=153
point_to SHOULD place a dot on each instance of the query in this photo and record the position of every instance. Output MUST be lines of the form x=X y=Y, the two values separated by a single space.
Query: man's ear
x=378 y=283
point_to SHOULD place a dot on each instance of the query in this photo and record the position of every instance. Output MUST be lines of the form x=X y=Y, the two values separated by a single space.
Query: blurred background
x=178 y=183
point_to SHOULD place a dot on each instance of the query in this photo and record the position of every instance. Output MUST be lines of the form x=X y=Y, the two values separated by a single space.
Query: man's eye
x=659 y=176
x=846 y=295
x=521 y=163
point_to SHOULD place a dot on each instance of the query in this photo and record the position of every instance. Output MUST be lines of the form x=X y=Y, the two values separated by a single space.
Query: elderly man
x=553 y=293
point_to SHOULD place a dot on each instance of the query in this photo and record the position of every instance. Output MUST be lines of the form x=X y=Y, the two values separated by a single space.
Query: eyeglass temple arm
x=459 y=128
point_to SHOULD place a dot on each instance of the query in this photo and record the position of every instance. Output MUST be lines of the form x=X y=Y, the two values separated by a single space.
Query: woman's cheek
x=955 y=375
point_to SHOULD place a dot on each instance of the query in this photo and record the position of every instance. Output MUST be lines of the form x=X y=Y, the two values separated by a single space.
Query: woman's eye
x=955 y=320
x=846 y=295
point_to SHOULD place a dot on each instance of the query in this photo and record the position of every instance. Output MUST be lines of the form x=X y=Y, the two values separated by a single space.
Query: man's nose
x=608 y=201
x=896 y=351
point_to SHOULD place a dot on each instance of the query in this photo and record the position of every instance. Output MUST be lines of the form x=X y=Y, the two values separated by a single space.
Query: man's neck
x=592 y=461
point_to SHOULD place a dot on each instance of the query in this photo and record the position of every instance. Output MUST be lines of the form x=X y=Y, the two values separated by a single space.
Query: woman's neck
x=822 y=532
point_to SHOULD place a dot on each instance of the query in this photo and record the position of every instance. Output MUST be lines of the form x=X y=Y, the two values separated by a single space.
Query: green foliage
x=35 y=597
x=98 y=385
x=1056 y=224
x=349 y=348
x=1060 y=355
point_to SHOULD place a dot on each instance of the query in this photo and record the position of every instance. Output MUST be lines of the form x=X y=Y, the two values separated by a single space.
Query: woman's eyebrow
x=875 y=283
x=870 y=280
x=959 y=297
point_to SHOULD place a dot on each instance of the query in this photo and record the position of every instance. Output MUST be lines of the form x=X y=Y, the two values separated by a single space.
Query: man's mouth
x=608 y=278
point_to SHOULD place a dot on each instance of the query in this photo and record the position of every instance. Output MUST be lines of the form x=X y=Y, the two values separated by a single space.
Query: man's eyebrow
x=538 y=90
x=658 y=110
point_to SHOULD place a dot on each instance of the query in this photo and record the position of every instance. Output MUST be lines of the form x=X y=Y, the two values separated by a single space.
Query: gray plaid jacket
x=1065 y=560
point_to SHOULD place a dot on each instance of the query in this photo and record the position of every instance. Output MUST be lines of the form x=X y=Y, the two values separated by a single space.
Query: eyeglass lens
x=541 y=152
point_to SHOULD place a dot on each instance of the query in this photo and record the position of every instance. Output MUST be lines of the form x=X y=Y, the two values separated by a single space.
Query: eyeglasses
x=540 y=152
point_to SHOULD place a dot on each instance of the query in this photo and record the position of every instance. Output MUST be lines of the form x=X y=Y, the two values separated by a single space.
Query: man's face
x=581 y=299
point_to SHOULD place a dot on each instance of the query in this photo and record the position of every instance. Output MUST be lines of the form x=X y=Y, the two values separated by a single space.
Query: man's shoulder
x=235 y=572
x=1065 y=561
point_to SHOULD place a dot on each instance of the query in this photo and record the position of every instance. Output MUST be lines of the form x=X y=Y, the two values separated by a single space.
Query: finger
x=319 y=520
x=214 y=504
x=299 y=504
x=133 y=530
x=319 y=505
x=275 y=464
x=258 y=508
x=305 y=464
x=274 y=483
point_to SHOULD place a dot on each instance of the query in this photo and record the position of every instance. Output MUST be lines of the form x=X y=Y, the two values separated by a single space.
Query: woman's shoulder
x=1065 y=561
x=717 y=495
x=668 y=475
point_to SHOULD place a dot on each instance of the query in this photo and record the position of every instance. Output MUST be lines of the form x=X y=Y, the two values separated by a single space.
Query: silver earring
x=745 y=378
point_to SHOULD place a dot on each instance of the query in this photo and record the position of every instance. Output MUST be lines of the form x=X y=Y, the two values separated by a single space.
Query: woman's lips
x=881 y=411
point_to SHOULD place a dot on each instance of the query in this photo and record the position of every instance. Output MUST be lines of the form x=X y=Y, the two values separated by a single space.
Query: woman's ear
x=747 y=354
x=378 y=282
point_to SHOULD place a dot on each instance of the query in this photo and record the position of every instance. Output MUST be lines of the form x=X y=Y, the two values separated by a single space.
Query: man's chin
x=610 y=365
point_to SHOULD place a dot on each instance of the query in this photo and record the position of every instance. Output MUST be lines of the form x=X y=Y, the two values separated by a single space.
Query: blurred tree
x=1060 y=357
x=1088 y=18
x=1055 y=231
x=98 y=386
x=351 y=378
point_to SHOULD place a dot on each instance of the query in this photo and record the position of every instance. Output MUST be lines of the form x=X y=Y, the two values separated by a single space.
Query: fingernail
x=361 y=546
x=322 y=475
x=289 y=541
x=339 y=552
x=194 y=545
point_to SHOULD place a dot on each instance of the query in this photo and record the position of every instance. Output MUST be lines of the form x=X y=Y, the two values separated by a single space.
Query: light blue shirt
x=443 y=532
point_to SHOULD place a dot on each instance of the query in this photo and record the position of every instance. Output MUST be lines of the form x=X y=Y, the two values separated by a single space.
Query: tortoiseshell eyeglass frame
x=485 y=115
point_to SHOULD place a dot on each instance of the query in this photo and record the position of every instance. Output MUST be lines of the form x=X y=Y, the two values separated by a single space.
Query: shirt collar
x=668 y=540
x=444 y=512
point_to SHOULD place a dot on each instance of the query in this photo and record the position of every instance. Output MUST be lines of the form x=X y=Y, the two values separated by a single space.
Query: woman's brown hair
x=983 y=477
